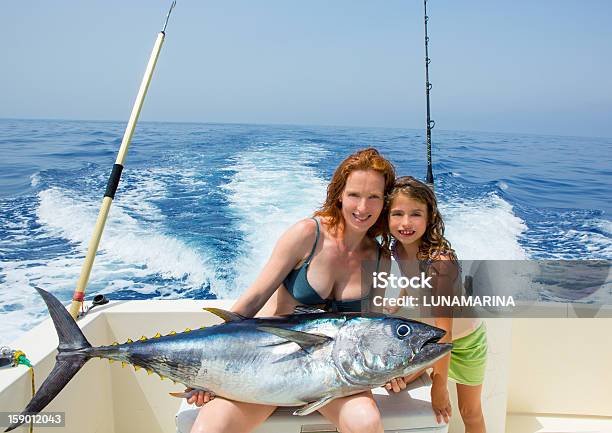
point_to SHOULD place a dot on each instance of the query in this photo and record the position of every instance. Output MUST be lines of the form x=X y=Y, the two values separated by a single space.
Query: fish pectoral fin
x=315 y=405
x=187 y=394
x=181 y=394
x=227 y=316
x=305 y=340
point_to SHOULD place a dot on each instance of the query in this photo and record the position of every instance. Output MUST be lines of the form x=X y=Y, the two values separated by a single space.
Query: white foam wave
x=273 y=187
x=484 y=228
x=17 y=295
x=126 y=245
x=599 y=243
x=14 y=324
x=128 y=250
x=573 y=237
x=604 y=225
x=35 y=179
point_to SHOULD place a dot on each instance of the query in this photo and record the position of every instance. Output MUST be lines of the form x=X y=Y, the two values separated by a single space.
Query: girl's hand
x=440 y=402
x=390 y=310
x=200 y=398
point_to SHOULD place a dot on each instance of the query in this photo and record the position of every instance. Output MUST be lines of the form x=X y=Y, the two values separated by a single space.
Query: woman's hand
x=397 y=384
x=400 y=383
x=199 y=397
x=440 y=401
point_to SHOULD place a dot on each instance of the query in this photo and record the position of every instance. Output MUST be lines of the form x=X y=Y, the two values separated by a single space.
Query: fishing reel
x=97 y=300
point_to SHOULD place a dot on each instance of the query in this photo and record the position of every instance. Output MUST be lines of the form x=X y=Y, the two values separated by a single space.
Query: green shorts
x=469 y=358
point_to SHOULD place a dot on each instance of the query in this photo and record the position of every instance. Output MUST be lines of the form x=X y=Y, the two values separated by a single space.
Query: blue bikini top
x=296 y=283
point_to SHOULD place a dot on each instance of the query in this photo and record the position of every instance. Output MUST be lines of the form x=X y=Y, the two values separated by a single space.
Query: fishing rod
x=79 y=294
x=428 y=86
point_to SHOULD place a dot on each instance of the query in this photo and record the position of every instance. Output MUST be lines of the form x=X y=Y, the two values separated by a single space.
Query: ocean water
x=199 y=206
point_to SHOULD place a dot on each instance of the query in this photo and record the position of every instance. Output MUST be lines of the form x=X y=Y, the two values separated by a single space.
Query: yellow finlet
x=123 y=364
x=143 y=338
x=157 y=335
x=202 y=327
x=114 y=343
x=110 y=361
x=149 y=372
x=172 y=333
x=129 y=340
x=136 y=367
x=187 y=330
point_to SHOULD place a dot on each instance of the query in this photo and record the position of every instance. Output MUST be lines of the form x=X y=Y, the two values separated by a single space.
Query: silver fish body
x=243 y=360
x=301 y=359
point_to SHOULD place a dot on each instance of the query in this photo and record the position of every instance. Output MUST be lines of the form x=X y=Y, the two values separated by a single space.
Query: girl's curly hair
x=433 y=243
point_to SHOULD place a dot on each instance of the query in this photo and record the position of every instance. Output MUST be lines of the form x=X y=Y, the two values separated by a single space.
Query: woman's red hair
x=365 y=159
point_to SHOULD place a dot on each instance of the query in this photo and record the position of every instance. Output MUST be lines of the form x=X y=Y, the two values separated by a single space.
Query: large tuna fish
x=303 y=359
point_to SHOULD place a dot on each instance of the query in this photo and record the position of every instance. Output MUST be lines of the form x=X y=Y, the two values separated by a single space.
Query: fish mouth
x=432 y=340
x=431 y=351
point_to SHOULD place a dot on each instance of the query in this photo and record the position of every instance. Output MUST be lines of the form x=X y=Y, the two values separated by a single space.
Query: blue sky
x=521 y=66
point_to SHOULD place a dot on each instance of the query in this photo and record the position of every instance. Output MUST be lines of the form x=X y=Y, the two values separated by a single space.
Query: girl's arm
x=444 y=276
x=394 y=309
x=391 y=292
x=378 y=292
x=440 y=400
x=289 y=250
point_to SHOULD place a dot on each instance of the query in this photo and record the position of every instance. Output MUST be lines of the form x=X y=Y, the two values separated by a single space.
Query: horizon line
x=304 y=125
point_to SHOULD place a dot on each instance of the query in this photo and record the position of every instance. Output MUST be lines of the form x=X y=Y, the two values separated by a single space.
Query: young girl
x=419 y=246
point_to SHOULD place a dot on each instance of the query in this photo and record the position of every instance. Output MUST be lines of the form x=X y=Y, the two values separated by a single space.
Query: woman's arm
x=291 y=248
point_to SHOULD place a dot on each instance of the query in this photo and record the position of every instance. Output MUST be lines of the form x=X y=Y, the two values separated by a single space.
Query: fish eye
x=402 y=330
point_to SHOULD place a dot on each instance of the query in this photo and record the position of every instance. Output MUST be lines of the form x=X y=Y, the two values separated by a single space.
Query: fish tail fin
x=73 y=353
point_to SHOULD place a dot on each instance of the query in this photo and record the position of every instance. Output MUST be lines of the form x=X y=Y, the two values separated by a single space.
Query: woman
x=317 y=261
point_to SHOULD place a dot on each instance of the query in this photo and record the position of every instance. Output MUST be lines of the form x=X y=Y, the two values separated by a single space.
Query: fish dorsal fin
x=305 y=340
x=315 y=405
x=307 y=309
x=227 y=316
